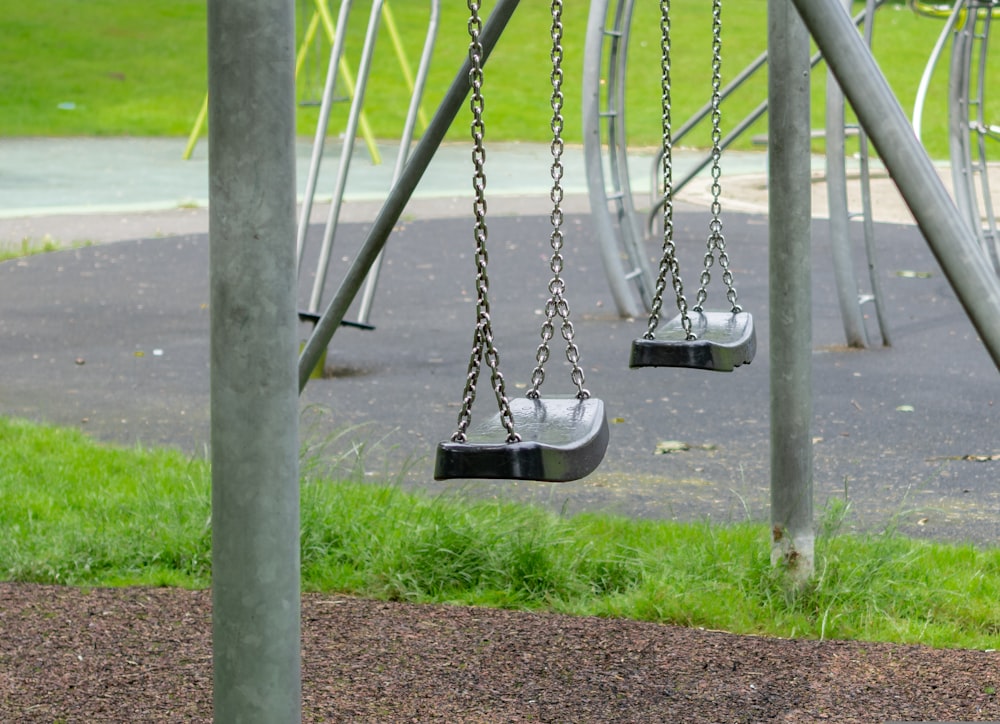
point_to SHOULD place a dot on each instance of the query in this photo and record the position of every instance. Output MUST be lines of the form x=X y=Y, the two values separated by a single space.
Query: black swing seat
x=723 y=341
x=562 y=439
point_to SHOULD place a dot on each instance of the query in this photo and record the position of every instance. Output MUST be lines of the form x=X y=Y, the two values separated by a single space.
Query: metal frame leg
x=954 y=244
x=398 y=197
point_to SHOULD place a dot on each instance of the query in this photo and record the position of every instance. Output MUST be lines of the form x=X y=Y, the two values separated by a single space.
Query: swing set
x=254 y=407
x=562 y=439
x=559 y=438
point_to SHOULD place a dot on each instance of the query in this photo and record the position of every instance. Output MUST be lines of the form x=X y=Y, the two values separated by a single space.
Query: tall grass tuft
x=72 y=511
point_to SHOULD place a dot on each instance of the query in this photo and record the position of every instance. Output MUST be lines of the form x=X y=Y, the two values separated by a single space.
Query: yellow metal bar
x=348 y=77
x=199 y=122
x=404 y=65
x=931 y=9
x=307 y=39
x=323 y=13
x=942 y=10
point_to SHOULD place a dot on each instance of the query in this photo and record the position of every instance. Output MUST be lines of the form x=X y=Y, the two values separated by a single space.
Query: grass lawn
x=76 y=512
x=114 y=67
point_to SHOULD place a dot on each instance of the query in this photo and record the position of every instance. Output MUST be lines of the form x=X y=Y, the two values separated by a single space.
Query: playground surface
x=113 y=338
x=129 y=655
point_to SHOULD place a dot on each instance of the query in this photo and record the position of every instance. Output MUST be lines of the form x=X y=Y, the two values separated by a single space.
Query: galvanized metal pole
x=322 y=128
x=344 y=161
x=790 y=291
x=840 y=234
x=254 y=391
x=951 y=238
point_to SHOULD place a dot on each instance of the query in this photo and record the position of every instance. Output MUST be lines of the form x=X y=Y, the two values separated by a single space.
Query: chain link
x=716 y=240
x=557 y=305
x=483 y=347
x=668 y=259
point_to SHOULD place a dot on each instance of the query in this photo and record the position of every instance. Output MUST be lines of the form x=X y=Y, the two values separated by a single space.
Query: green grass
x=30 y=246
x=72 y=511
x=140 y=69
x=126 y=68
x=76 y=512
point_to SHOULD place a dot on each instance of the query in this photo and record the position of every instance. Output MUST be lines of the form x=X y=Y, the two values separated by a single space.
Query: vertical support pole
x=338 y=41
x=344 y=162
x=254 y=395
x=790 y=291
x=840 y=233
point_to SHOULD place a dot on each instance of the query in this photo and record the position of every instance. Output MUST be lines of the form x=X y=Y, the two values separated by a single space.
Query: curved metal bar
x=618 y=277
x=925 y=78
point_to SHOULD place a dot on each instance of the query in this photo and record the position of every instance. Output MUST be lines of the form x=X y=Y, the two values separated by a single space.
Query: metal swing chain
x=716 y=241
x=482 y=343
x=668 y=260
x=557 y=303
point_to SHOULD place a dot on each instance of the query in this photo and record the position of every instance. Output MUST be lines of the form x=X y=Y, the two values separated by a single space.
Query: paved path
x=74 y=190
x=113 y=338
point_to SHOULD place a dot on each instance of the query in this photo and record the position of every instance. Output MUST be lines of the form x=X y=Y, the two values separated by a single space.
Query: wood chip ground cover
x=144 y=655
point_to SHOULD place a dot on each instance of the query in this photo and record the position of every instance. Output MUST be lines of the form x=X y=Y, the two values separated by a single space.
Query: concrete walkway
x=96 y=190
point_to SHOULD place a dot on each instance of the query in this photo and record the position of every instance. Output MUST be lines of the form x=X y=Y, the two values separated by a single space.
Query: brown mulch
x=140 y=654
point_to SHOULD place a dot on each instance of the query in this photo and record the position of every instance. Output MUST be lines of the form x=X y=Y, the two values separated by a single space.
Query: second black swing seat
x=723 y=341
x=562 y=439
x=719 y=341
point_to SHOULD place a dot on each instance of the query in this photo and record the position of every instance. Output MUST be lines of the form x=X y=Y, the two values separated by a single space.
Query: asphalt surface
x=113 y=338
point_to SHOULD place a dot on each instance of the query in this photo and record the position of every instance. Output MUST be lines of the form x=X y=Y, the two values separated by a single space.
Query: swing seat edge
x=563 y=439
x=724 y=341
